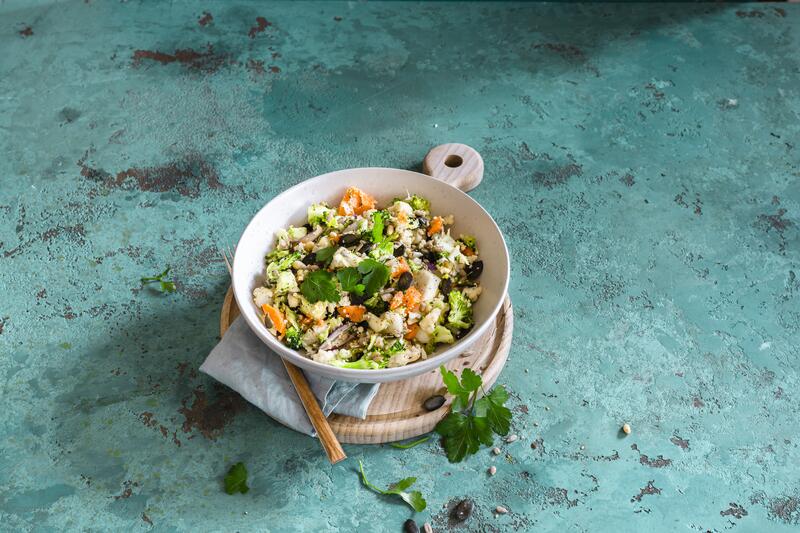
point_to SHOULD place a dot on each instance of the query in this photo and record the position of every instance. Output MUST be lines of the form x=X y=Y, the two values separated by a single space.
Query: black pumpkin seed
x=463 y=510
x=423 y=222
x=430 y=256
x=310 y=259
x=409 y=526
x=400 y=250
x=404 y=281
x=349 y=239
x=308 y=227
x=434 y=402
x=474 y=270
x=446 y=286
x=355 y=299
x=365 y=248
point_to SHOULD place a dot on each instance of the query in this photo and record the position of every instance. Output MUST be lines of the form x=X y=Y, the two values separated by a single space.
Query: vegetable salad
x=364 y=287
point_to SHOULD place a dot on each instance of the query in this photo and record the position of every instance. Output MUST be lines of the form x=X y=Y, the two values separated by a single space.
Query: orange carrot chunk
x=401 y=267
x=397 y=301
x=355 y=201
x=275 y=317
x=436 y=225
x=353 y=312
x=412 y=299
x=412 y=331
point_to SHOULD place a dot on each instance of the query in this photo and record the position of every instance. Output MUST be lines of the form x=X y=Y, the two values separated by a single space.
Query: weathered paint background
x=641 y=160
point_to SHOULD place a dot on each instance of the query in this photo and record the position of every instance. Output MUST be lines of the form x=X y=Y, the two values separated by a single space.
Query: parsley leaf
x=414 y=498
x=471 y=421
x=324 y=255
x=497 y=415
x=236 y=479
x=377 y=226
x=349 y=278
x=376 y=274
x=166 y=286
x=407 y=445
x=319 y=285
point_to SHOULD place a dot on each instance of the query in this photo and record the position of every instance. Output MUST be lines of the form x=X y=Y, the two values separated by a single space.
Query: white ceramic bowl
x=384 y=184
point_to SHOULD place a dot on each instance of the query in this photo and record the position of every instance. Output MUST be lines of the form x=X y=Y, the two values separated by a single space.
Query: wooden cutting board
x=397 y=411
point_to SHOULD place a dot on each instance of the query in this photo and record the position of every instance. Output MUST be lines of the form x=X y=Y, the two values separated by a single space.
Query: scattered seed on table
x=526 y=370
x=492 y=470
x=496 y=450
x=500 y=509
x=583 y=447
x=626 y=428
x=536 y=424
x=434 y=402
x=511 y=438
x=427 y=527
x=546 y=408
x=533 y=445
x=409 y=526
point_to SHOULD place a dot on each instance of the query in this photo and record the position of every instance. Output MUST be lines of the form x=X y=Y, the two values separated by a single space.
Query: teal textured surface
x=642 y=162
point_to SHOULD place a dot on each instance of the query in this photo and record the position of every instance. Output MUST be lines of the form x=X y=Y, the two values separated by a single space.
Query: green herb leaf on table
x=324 y=255
x=165 y=286
x=236 y=479
x=407 y=445
x=471 y=421
x=350 y=279
x=497 y=414
x=413 y=498
x=318 y=286
x=376 y=274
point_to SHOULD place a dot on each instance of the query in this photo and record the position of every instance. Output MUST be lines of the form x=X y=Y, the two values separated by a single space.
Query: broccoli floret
x=442 y=335
x=295 y=234
x=469 y=241
x=292 y=338
x=460 y=315
x=365 y=363
x=375 y=304
x=397 y=347
x=321 y=214
x=418 y=203
x=276 y=266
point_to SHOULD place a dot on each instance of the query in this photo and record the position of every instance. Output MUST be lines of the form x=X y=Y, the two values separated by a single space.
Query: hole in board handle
x=453 y=161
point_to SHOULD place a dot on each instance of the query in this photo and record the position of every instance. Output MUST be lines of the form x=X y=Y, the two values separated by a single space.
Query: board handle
x=457 y=164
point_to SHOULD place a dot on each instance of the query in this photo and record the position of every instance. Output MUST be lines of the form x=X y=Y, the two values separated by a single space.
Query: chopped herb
x=471 y=421
x=376 y=274
x=350 y=279
x=407 y=445
x=236 y=479
x=414 y=498
x=166 y=286
x=324 y=255
x=319 y=285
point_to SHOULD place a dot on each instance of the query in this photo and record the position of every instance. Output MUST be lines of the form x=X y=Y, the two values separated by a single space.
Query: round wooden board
x=397 y=413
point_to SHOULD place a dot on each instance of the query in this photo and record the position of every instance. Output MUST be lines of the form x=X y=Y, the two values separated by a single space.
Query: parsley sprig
x=472 y=420
x=236 y=479
x=413 y=498
x=319 y=285
x=165 y=285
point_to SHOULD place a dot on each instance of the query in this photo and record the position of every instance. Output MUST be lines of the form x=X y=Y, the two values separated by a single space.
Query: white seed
x=500 y=509
x=511 y=438
x=526 y=370
x=427 y=528
x=583 y=447
x=626 y=428
x=536 y=424
x=492 y=470
x=546 y=408
x=496 y=450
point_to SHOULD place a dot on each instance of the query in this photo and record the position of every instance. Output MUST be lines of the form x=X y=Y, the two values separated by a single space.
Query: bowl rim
x=383 y=374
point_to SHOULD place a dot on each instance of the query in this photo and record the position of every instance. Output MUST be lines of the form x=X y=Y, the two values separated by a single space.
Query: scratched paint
x=641 y=162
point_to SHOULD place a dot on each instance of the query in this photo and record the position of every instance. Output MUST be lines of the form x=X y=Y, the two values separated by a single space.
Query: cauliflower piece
x=427 y=283
x=330 y=356
x=376 y=323
x=316 y=311
x=262 y=295
x=343 y=258
x=394 y=323
x=402 y=213
x=409 y=355
x=286 y=283
x=428 y=324
x=444 y=244
x=472 y=292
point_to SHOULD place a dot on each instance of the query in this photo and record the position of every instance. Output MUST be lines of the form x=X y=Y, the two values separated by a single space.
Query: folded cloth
x=242 y=362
